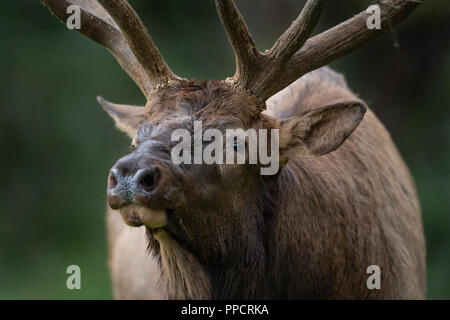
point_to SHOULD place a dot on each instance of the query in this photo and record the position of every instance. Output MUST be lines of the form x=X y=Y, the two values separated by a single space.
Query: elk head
x=213 y=209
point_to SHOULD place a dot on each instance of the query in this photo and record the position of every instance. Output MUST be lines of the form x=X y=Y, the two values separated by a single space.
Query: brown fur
x=311 y=231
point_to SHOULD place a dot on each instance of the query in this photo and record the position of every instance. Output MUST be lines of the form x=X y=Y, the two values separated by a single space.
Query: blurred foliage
x=56 y=145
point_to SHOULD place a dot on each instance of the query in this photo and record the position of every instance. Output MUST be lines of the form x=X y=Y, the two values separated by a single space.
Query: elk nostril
x=147 y=182
x=112 y=181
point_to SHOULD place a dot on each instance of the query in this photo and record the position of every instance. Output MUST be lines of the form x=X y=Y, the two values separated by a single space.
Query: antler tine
x=339 y=41
x=139 y=41
x=248 y=58
x=296 y=35
x=292 y=54
x=255 y=70
x=97 y=27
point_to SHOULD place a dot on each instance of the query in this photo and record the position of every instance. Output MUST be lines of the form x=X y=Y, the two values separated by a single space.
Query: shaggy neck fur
x=182 y=276
x=238 y=270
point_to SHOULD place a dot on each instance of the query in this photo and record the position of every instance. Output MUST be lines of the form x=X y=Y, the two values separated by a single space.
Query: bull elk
x=342 y=200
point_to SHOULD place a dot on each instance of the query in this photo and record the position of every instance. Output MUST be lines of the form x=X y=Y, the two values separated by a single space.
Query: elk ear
x=319 y=131
x=127 y=118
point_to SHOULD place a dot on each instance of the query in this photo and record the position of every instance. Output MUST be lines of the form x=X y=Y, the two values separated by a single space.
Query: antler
x=121 y=31
x=140 y=41
x=292 y=55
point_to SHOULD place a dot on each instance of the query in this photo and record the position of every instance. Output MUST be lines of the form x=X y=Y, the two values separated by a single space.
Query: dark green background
x=57 y=145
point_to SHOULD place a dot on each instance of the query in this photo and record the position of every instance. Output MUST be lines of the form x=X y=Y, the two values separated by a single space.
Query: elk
x=342 y=200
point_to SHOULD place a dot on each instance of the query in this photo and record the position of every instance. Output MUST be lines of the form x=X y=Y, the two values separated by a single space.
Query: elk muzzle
x=124 y=188
x=133 y=186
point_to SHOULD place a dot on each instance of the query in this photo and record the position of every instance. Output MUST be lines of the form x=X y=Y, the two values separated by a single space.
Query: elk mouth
x=135 y=216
